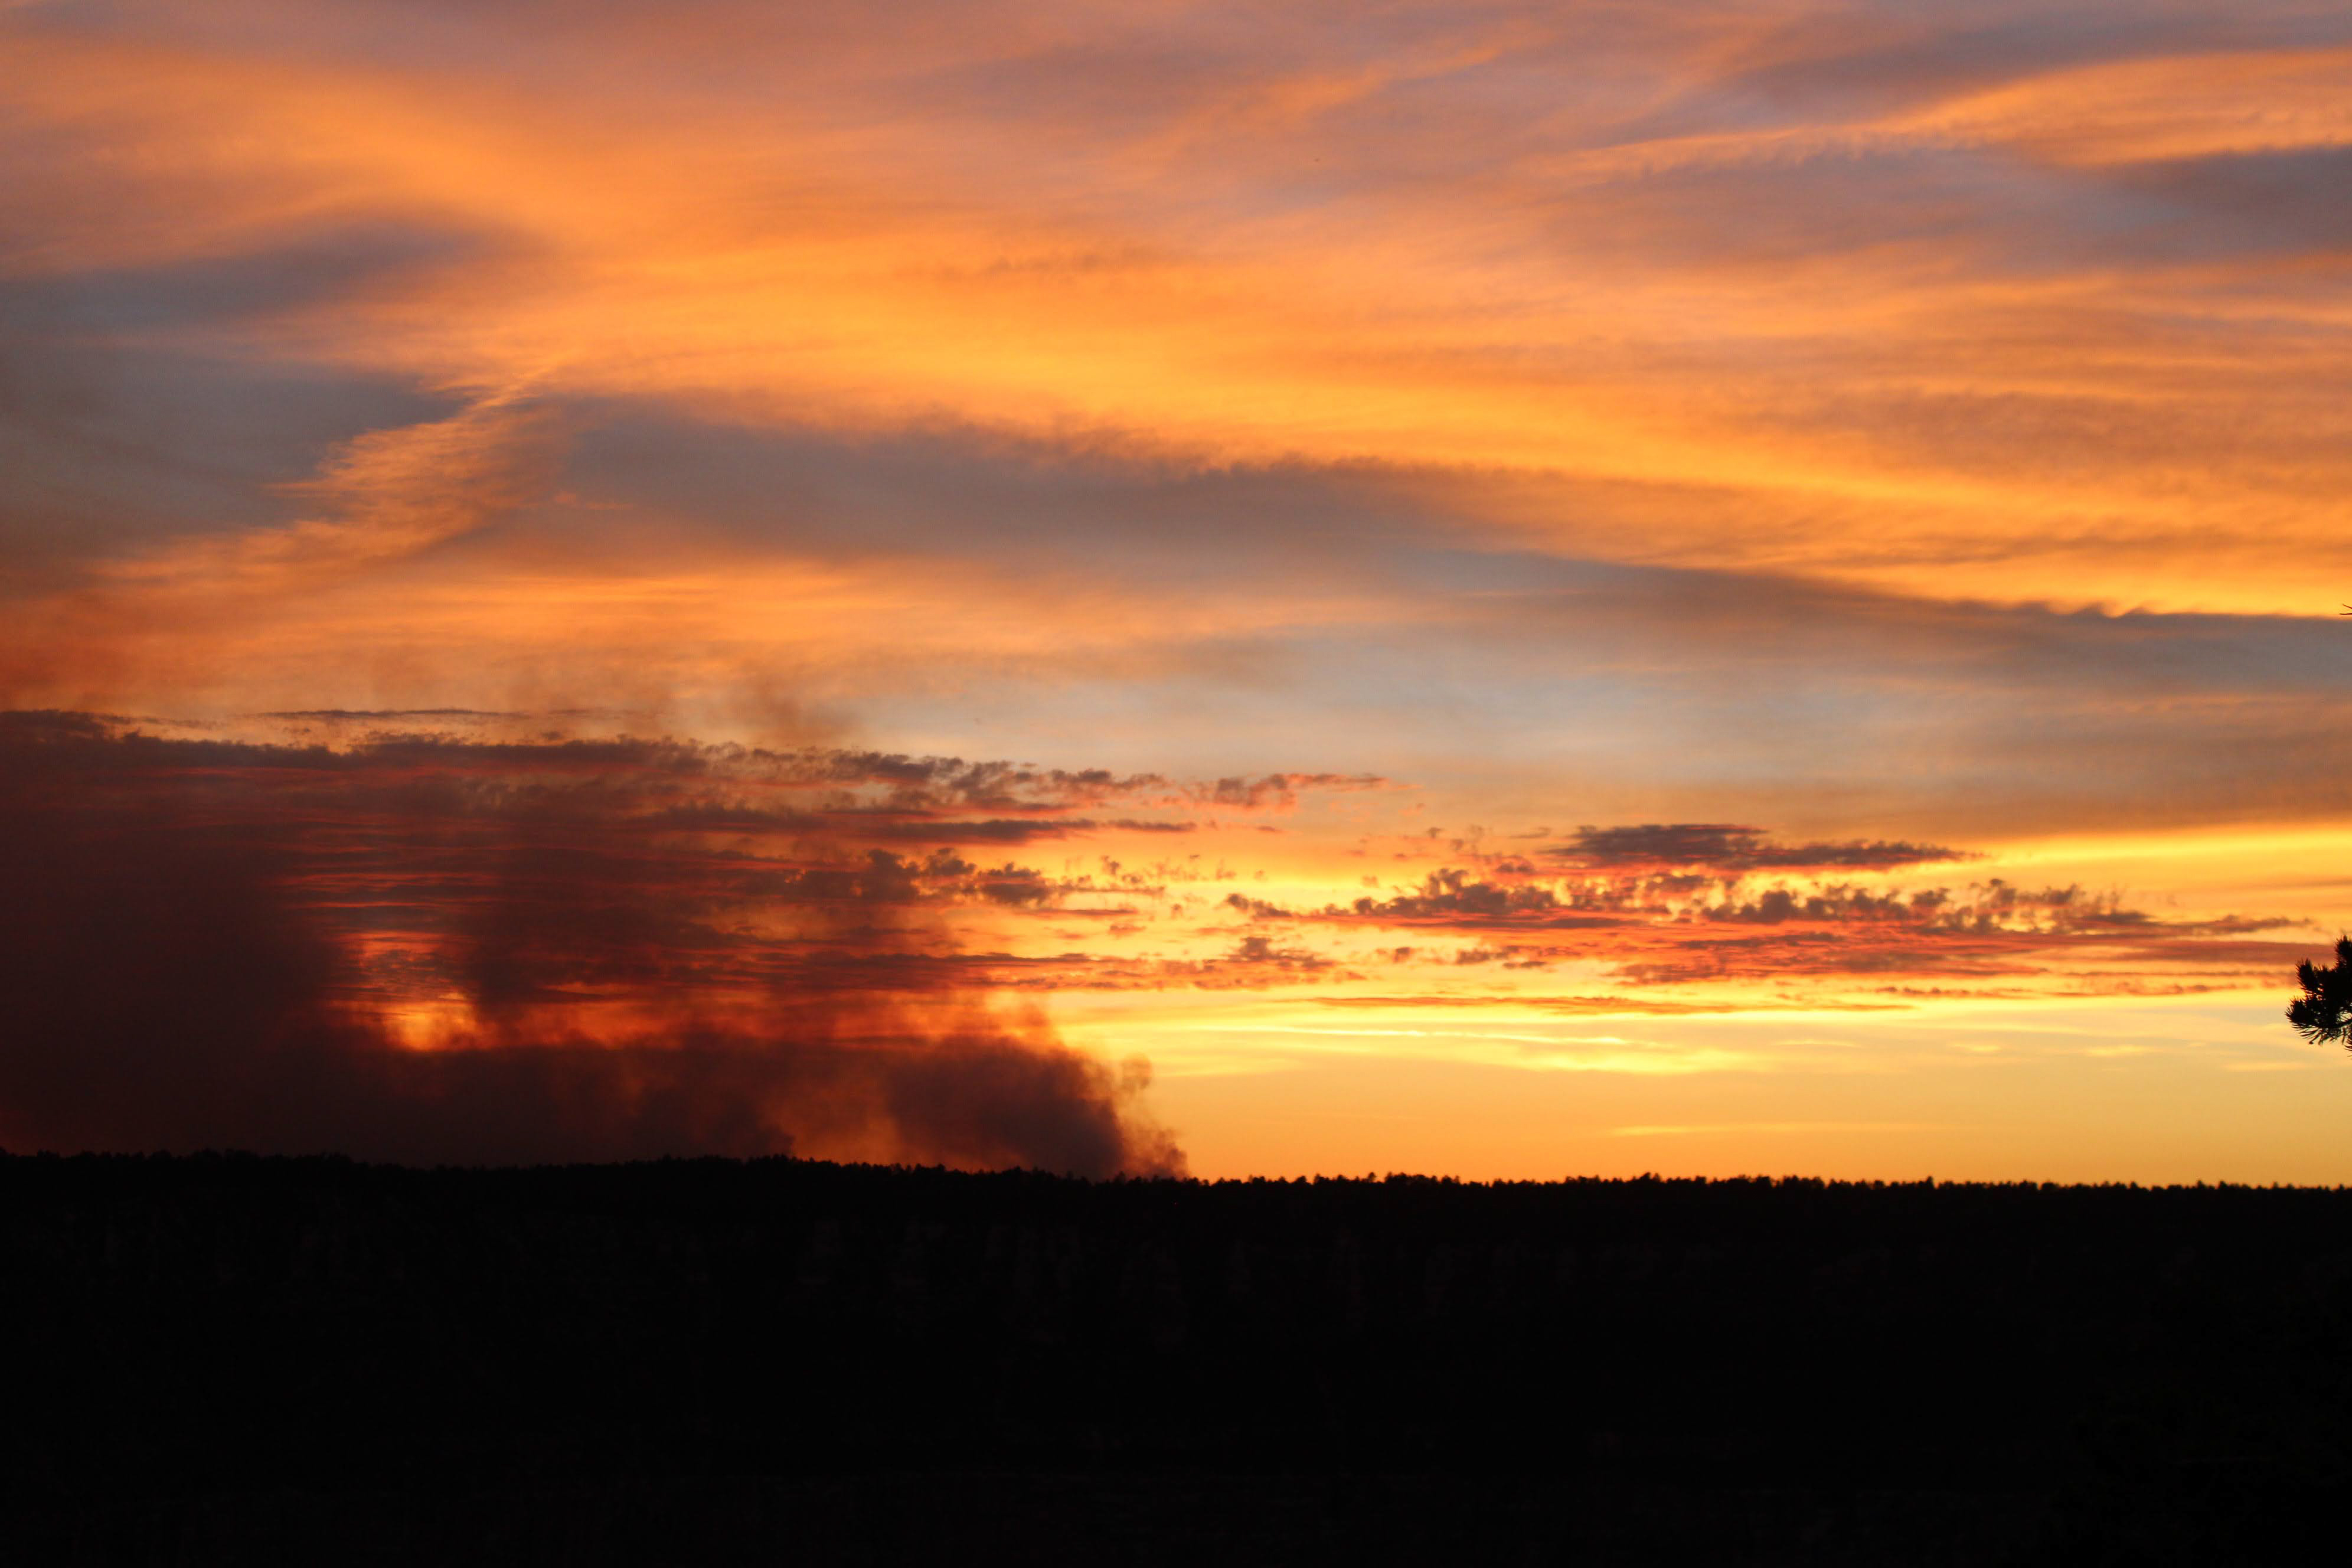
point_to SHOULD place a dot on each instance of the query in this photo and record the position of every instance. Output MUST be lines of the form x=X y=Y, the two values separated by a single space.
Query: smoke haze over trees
x=217 y=944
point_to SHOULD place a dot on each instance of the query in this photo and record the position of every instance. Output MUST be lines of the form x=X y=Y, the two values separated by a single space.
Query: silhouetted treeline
x=211 y=1351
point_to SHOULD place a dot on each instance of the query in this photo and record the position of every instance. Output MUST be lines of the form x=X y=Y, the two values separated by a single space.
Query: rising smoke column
x=213 y=944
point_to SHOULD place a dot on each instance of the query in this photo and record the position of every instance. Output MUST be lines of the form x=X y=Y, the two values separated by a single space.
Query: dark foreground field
x=229 y=1359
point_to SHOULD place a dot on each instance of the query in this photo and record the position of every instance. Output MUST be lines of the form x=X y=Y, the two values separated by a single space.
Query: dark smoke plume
x=206 y=944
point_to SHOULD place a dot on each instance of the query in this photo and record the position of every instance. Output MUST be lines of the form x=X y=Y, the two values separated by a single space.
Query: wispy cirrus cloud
x=1798 y=260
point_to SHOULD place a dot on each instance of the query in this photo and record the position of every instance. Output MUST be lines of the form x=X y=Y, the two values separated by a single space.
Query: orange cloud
x=841 y=262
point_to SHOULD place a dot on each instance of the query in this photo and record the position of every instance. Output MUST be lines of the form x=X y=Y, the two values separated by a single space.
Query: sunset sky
x=1507 y=591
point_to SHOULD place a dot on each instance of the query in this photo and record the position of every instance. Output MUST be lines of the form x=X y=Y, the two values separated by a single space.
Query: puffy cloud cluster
x=1730 y=911
x=1721 y=848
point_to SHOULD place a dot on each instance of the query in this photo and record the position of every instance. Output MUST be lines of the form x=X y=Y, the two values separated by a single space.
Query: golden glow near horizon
x=1789 y=551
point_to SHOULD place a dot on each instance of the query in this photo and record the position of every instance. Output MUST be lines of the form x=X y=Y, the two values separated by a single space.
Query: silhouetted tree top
x=2323 y=1012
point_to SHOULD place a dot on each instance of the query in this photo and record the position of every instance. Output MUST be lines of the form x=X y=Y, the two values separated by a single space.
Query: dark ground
x=220 y=1360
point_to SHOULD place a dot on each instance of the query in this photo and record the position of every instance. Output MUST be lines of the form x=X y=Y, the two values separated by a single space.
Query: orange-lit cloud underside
x=1940 y=312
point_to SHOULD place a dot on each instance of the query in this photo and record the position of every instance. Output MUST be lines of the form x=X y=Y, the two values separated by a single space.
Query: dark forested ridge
x=226 y=1358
